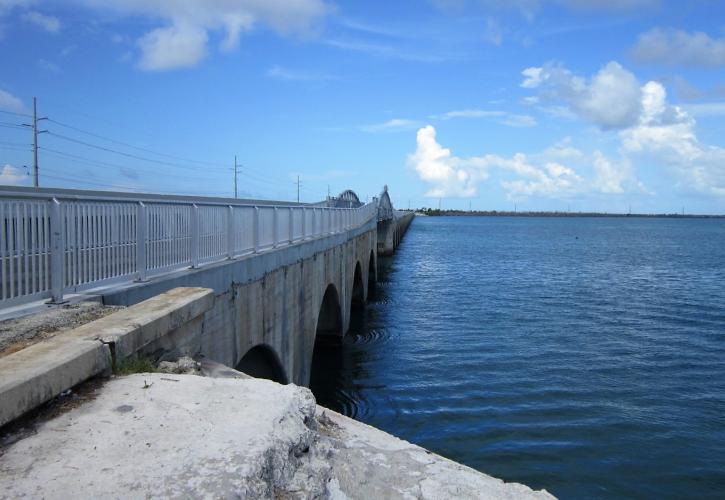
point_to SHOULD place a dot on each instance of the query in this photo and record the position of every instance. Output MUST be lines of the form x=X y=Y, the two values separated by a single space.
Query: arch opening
x=327 y=355
x=329 y=322
x=262 y=362
x=358 y=290
x=372 y=276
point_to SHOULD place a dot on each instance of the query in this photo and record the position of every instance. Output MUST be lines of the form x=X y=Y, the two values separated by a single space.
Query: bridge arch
x=261 y=361
x=350 y=196
x=329 y=320
x=385 y=206
x=372 y=275
x=357 y=303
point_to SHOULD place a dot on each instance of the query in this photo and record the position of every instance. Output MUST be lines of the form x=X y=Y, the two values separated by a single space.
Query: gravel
x=17 y=334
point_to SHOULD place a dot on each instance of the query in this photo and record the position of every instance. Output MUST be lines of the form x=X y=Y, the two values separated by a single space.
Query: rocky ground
x=175 y=435
x=17 y=334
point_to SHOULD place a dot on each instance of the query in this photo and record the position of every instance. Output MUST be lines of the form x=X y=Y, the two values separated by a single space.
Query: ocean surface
x=581 y=355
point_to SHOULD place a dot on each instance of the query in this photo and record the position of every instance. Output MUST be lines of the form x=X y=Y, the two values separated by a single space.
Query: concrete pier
x=391 y=232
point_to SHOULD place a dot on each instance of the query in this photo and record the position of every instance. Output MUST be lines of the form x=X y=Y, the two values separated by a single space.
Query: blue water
x=584 y=355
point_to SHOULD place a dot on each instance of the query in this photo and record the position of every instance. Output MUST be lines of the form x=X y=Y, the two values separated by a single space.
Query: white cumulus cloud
x=183 y=39
x=502 y=117
x=13 y=176
x=667 y=134
x=611 y=98
x=650 y=128
x=544 y=175
x=609 y=4
x=392 y=125
x=51 y=24
x=551 y=180
x=181 y=45
x=9 y=102
x=530 y=8
x=9 y=4
x=614 y=177
x=282 y=73
x=448 y=175
x=678 y=47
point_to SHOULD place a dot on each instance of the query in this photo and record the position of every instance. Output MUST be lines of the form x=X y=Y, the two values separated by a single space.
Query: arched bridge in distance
x=283 y=274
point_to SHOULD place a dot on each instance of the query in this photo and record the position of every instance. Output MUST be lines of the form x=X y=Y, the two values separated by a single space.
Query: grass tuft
x=135 y=365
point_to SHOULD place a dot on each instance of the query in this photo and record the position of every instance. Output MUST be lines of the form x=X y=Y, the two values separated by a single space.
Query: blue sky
x=546 y=104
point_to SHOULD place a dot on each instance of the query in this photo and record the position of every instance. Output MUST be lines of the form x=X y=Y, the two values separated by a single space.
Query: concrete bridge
x=284 y=275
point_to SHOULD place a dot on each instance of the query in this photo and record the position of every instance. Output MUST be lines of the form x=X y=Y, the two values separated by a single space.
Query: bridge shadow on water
x=337 y=363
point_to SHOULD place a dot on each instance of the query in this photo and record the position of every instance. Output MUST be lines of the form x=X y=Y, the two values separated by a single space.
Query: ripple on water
x=592 y=367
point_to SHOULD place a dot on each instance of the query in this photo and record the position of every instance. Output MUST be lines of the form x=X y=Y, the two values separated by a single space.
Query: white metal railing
x=51 y=244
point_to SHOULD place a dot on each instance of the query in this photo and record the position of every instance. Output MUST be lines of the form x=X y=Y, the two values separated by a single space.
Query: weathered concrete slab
x=131 y=329
x=368 y=460
x=34 y=375
x=46 y=322
x=184 y=436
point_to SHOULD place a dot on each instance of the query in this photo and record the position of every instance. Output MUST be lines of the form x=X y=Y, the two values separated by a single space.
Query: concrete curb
x=38 y=373
x=130 y=330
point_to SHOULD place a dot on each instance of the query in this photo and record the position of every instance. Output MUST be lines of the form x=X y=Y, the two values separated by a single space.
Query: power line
x=113 y=185
x=10 y=125
x=8 y=143
x=15 y=148
x=14 y=113
x=129 y=155
x=100 y=163
x=146 y=150
x=259 y=178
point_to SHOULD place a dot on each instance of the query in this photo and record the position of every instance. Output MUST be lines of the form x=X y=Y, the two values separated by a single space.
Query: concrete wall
x=271 y=299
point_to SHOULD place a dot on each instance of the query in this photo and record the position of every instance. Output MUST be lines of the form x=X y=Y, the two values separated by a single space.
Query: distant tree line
x=434 y=212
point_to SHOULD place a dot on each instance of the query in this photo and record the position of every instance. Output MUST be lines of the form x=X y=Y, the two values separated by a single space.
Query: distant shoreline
x=496 y=213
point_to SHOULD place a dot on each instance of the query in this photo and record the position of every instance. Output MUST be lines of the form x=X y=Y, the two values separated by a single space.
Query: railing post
x=291 y=225
x=230 y=232
x=275 y=227
x=141 y=237
x=194 y=236
x=304 y=223
x=255 y=229
x=57 y=249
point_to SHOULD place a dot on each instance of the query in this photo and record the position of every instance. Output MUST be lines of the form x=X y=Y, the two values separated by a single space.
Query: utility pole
x=235 y=177
x=298 y=189
x=34 y=128
x=328 y=191
x=469 y=206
